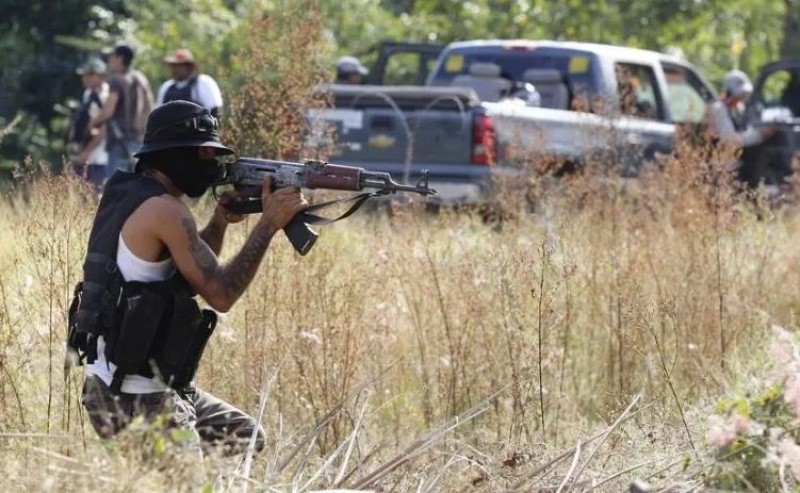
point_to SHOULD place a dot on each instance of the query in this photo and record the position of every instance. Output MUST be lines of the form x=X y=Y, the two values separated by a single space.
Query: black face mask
x=190 y=174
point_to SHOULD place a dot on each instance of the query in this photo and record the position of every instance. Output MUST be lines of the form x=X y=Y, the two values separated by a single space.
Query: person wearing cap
x=147 y=254
x=130 y=101
x=189 y=85
x=727 y=117
x=350 y=71
x=727 y=121
x=91 y=157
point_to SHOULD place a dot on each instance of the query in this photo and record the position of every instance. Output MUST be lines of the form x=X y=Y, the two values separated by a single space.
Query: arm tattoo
x=235 y=276
x=213 y=234
x=202 y=253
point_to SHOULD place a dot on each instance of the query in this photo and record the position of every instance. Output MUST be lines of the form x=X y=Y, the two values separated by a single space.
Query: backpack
x=138 y=103
x=80 y=121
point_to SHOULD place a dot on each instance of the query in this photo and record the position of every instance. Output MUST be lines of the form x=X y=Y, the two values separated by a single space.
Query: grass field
x=577 y=346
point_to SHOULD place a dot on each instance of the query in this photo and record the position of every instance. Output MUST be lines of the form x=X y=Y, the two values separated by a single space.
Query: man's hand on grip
x=281 y=205
x=222 y=213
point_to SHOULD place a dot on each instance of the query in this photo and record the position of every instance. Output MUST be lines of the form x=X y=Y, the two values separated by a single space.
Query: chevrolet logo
x=381 y=141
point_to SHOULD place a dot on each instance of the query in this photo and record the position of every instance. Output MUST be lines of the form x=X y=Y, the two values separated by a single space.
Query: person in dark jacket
x=727 y=121
x=134 y=317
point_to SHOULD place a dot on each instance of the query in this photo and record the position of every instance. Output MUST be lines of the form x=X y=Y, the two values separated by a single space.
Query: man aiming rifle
x=134 y=319
x=145 y=250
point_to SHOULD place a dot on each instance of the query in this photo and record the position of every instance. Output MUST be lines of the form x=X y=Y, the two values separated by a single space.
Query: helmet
x=738 y=84
x=181 y=124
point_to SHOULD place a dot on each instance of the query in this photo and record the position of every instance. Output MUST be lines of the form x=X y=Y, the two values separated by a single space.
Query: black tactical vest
x=149 y=328
x=175 y=93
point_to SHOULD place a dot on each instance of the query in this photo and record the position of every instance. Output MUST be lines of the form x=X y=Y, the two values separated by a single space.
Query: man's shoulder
x=139 y=77
x=118 y=82
x=206 y=79
x=165 y=209
x=717 y=109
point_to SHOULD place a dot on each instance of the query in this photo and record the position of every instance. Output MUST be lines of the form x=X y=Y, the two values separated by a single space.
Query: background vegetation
x=41 y=42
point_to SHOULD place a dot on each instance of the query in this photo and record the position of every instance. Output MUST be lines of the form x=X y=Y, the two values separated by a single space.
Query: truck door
x=404 y=64
x=643 y=128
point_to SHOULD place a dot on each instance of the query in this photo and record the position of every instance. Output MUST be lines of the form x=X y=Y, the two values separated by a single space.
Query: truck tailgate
x=405 y=130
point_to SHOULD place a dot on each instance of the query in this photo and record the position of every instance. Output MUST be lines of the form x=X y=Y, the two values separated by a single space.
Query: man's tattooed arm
x=226 y=283
x=214 y=233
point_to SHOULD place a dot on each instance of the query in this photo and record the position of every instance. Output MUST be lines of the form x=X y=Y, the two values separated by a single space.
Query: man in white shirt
x=188 y=84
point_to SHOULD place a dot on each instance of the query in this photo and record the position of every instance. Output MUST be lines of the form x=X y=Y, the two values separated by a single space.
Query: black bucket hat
x=181 y=124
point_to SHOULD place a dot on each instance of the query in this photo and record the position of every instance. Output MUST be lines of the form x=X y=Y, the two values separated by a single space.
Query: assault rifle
x=248 y=174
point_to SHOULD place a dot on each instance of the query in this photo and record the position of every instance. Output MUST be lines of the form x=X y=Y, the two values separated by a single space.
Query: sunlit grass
x=393 y=325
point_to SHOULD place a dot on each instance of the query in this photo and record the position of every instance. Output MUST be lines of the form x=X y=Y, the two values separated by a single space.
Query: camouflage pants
x=212 y=420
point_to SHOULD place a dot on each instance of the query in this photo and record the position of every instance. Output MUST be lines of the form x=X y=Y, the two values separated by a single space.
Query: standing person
x=125 y=113
x=727 y=117
x=727 y=120
x=134 y=317
x=188 y=84
x=350 y=71
x=91 y=159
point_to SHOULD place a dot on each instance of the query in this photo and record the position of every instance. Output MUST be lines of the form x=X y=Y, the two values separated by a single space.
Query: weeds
x=608 y=311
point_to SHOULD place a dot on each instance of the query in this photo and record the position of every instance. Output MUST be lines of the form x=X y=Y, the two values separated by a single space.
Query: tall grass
x=570 y=344
x=394 y=325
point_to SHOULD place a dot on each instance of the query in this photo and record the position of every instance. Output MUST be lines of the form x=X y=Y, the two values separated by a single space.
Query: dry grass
x=362 y=352
x=569 y=347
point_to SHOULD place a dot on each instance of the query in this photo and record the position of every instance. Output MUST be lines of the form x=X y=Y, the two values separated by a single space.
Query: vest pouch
x=184 y=326
x=186 y=374
x=77 y=341
x=141 y=317
x=90 y=304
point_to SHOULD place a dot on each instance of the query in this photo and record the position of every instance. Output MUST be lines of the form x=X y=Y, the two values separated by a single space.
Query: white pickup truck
x=465 y=124
x=595 y=99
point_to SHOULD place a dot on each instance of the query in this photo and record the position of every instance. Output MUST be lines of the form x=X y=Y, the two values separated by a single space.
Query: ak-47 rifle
x=248 y=174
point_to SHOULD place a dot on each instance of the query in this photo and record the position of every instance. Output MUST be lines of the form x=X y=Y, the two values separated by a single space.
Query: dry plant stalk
x=643 y=286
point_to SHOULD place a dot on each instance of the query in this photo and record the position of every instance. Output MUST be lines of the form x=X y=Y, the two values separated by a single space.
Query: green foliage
x=755 y=436
x=282 y=57
x=41 y=42
x=158 y=28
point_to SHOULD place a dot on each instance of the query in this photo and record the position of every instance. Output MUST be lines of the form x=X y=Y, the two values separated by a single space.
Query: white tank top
x=132 y=268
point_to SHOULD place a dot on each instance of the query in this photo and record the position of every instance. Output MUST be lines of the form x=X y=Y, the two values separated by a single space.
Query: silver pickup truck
x=593 y=98
x=467 y=123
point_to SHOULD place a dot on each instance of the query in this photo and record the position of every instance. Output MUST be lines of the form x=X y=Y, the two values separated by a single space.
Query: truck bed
x=404 y=130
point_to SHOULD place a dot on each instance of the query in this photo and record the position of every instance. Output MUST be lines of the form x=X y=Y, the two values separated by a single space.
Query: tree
x=790 y=47
x=37 y=64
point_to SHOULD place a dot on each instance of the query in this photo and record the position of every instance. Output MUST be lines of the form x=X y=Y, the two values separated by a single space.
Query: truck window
x=402 y=69
x=637 y=91
x=576 y=67
x=781 y=88
x=686 y=96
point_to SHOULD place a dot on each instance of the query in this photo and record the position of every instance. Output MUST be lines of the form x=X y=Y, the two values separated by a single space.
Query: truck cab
x=581 y=77
x=595 y=99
